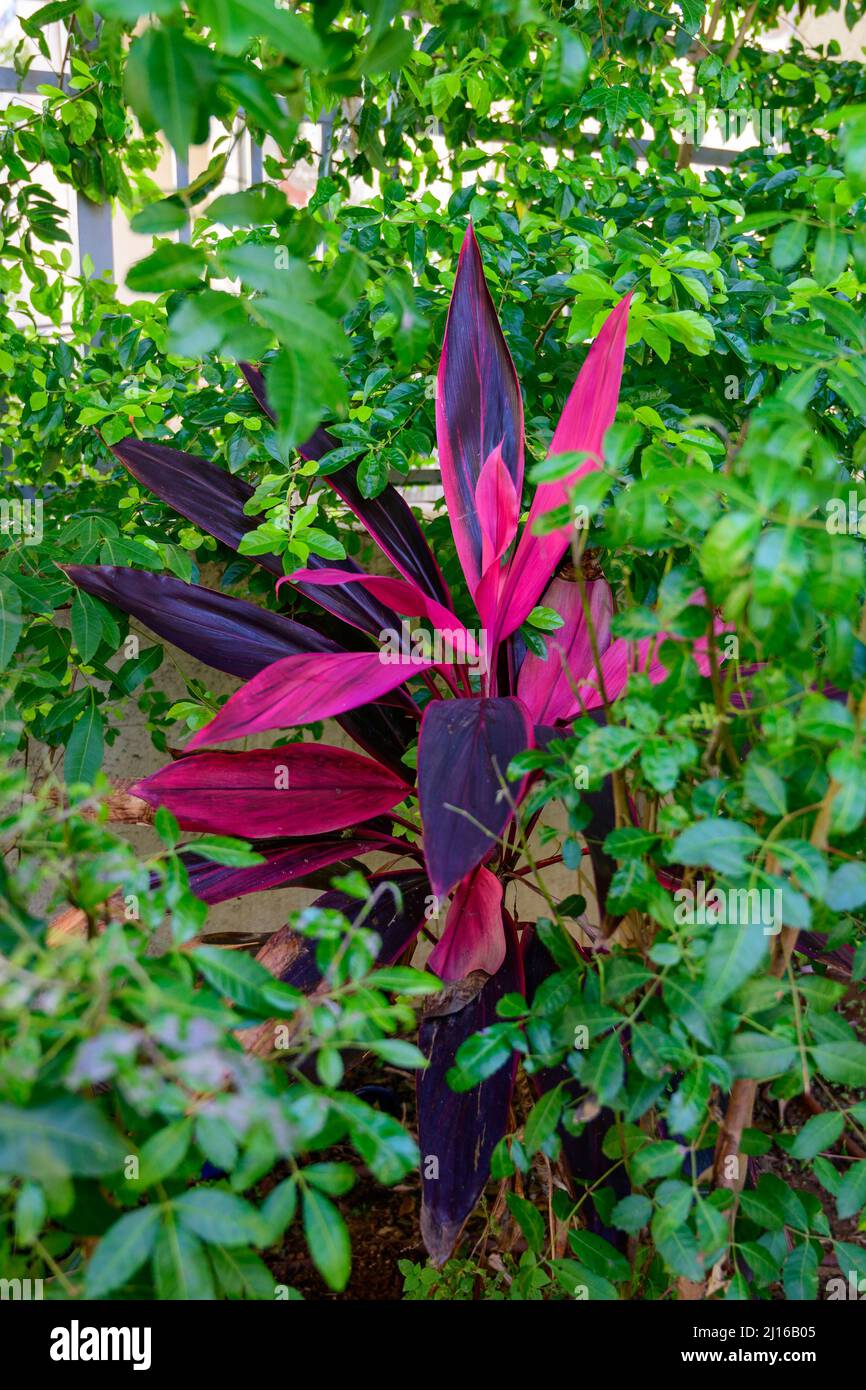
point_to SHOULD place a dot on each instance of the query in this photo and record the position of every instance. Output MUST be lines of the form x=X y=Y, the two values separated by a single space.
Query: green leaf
x=11 y=621
x=681 y=1253
x=764 y=787
x=604 y=1068
x=581 y=1282
x=721 y=845
x=235 y=975
x=762 y=1208
x=173 y=266
x=225 y=849
x=297 y=408
x=631 y=1214
x=843 y=1061
x=656 y=1160
x=217 y=1216
x=819 y=1132
x=65 y=1136
x=87 y=625
x=237 y=23
x=543 y=1118
x=735 y=953
x=122 y=1251
x=789 y=243
x=390 y=52
x=480 y=1056
x=567 y=68
x=599 y=1255
x=327 y=1239
x=852 y=1191
x=162 y=1153
x=846 y=889
x=83 y=755
x=398 y=1052
x=800 y=1273
x=181 y=1269
x=169 y=81
x=372 y=475
x=761 y=1056
x=529 y=1219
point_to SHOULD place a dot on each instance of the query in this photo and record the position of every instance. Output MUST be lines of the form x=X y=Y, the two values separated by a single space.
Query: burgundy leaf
x=396 y=917
x=474 y=937
x=387 y=517
x=458 y=1131
x=464 y=750
x=478 y=405
x=589 y=411
x=301 y=788
x=304 y=689
x=296 y=861
x=214 y=500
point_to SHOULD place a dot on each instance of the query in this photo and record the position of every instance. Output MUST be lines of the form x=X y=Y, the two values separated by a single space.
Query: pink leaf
x=474 y=936
x=547 y=688
x=401 y=595
x=303 y=689
x=498 y=513
x=589 y=412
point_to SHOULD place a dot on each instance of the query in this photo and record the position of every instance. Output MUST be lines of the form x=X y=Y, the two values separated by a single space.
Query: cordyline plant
x=309 y=806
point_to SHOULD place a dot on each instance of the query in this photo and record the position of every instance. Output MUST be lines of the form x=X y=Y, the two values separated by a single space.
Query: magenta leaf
x=549 y=688
x=478 y=405
x=474 y=937
x=589 y=412
x=301 y=788
x=304 y=689
x=498 y=514
x=458 y=1131
x=464 y=750
x=400 y=594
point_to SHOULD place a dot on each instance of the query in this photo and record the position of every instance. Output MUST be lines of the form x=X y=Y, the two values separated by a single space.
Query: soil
x=383 y=1222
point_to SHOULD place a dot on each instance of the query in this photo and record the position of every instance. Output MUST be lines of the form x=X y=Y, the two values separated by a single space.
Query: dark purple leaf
x=478 y=405
x=292 y=861
x=602 y=822
x=396 y=918
x=583 y=1155
x=222 y=631
x=464 y=750
x=460 y=1130
x=214 y=500
x=233 y=636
